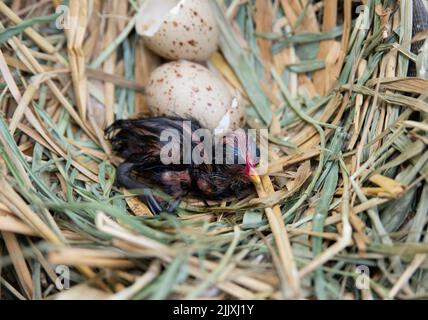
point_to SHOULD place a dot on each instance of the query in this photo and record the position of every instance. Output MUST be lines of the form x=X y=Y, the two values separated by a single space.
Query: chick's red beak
x=250 y=170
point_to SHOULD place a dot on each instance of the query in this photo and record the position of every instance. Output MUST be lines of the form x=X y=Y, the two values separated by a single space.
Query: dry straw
x=346 y=189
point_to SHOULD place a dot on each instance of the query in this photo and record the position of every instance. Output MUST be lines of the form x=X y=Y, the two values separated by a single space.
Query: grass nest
x=342 y=213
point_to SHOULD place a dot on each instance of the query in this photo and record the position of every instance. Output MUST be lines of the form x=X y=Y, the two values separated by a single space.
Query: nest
x=342 y=213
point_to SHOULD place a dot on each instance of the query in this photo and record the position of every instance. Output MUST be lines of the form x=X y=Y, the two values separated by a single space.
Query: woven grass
x=346 y=193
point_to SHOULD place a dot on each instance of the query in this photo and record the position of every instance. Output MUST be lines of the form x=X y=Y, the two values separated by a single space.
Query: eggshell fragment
x=189 y=90
x=184 y=29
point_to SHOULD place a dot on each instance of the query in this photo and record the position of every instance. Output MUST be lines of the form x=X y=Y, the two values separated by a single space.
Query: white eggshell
x=189 y=90
x=188 y=30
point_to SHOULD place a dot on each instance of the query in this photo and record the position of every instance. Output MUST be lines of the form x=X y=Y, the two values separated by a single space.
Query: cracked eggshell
x=185 y=29
x=189 y=90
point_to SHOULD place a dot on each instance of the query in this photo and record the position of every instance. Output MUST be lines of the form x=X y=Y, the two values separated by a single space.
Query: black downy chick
x=139 y=142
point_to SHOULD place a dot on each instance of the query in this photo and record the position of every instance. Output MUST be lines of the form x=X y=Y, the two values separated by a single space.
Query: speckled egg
x=189 y=90
x=188 y=29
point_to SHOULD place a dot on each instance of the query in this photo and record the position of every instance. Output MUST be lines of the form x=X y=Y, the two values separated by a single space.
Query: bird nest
x=341 y=213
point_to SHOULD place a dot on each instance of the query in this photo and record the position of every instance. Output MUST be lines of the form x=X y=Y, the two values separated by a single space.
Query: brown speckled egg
x=189 y=90
x=188 y=30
